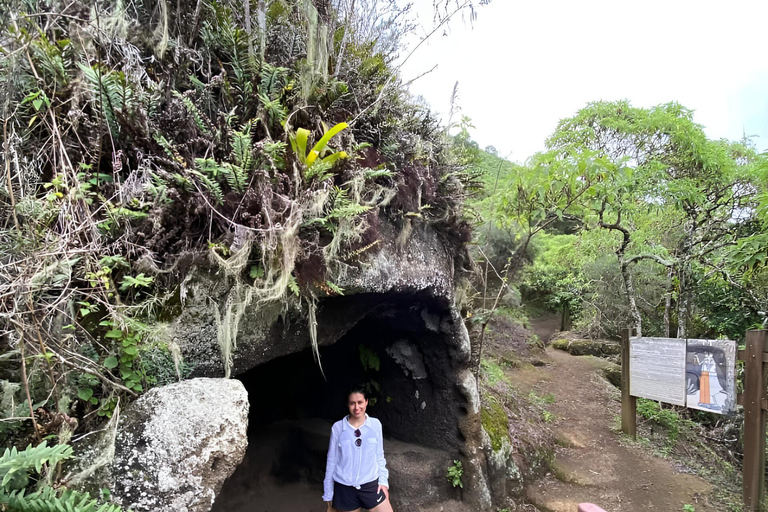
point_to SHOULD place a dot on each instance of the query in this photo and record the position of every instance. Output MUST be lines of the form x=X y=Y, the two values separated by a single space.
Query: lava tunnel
x=402 y=350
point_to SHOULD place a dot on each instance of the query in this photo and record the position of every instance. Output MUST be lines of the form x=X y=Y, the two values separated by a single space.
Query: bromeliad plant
x=315 y=167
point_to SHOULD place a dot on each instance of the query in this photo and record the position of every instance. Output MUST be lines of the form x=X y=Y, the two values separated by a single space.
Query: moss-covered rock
x=612 y=374
x=597 y=348
x=495 y=422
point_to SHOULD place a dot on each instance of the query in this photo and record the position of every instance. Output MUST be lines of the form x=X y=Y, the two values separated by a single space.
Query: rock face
x=399 y=303
x=270 y=330
x=418 y=475
x=176 y=445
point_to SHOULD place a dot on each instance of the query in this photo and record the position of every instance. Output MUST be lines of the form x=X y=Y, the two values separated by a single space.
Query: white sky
x=525 y=64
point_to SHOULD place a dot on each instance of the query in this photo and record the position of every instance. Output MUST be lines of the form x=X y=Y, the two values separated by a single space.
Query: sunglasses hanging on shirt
x=358 y=441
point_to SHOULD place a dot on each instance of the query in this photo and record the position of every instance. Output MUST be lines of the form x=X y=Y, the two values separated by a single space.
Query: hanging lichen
x=316 y=65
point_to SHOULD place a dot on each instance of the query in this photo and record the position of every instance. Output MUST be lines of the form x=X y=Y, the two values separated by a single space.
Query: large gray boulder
x=176 y=445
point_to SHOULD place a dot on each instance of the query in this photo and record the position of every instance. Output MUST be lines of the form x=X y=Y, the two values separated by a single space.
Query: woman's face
x=357 y=404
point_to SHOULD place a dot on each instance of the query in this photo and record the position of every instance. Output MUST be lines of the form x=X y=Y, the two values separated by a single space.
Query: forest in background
x=631 y=218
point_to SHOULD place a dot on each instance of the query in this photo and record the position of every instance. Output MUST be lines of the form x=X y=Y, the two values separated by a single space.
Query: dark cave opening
x=399 y=352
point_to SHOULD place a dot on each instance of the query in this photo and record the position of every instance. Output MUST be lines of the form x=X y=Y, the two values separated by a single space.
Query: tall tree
x=659 y=160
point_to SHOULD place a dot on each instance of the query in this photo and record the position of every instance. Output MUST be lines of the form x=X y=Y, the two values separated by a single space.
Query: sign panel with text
x=657 y=369
x=700 y=374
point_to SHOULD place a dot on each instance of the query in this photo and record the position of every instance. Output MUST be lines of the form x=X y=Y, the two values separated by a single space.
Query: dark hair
x=358 y=389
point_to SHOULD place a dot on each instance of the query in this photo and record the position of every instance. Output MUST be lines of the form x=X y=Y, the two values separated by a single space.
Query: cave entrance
x=401 y=354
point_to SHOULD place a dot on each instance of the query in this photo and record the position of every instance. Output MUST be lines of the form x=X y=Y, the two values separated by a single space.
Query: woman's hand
x=383 y=488
x=330 y=506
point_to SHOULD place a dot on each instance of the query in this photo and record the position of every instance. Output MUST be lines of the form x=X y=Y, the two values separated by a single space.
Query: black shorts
x=347 y=498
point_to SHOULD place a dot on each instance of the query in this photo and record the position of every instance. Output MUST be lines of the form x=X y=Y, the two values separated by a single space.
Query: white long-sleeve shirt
x=354 y=465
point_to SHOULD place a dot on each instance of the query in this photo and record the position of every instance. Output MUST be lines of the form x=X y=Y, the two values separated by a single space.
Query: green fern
x=233 y=176
x=275 y=150
x=193 y=111
x=242 y=148
x=293 y=285
x=342 y=207
x=49 y=500
x=338 y=290
x=210 y=185
x=272 y=79
x=274 y=109
x=236 y=177
x=110 y=92
x=165 y=144
x=16 y=465
x=320 y=170
x=372 y=174
x=338 y=206
x=183 y=182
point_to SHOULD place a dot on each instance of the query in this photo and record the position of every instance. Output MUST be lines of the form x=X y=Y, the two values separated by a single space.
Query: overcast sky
x=525 y=64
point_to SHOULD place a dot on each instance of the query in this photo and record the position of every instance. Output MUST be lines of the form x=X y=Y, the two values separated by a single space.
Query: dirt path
x=545 y=326
x=593 y=464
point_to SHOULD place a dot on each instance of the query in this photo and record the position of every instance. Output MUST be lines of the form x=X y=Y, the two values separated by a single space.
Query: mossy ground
x=495 y=422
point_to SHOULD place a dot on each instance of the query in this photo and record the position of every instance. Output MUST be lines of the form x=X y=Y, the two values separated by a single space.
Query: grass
x=493 y=372
x=540 y=402
x=519 y=316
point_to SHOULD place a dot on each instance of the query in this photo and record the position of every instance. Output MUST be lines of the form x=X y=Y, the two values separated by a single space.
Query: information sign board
x=657 y=369
x=710 y=376
x=700 y=374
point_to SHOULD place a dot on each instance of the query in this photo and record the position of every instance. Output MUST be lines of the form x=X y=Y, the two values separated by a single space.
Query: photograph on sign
x=657 y=369
x=710 y=375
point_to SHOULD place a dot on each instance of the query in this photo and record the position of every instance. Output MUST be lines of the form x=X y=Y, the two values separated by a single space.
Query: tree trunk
x=345 y=39
x=668 y=304
x=261 y=22
x=626 y=275
x=682 y=303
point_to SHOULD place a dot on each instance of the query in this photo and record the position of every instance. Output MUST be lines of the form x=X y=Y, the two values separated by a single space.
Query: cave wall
x=398 y=300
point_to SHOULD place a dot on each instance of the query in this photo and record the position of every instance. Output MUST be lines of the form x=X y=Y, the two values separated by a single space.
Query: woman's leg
x=385 y=506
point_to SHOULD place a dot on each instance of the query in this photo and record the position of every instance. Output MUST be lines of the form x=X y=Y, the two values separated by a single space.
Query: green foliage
x=667 y=418
x=193 y=111
x=110 y=93
x=129 y=161
x=16 y=465
x=15 y=469
x=52 y=500
x=633 y=213
x=554 y=278
x=492 y=372
x=127 y=358
x=315 y=167
x=369 y=359
x=138 y=281
x=337 y=207
x=689 y=508
x=454 y=474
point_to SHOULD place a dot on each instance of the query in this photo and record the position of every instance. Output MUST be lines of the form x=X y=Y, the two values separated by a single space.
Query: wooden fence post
x=628 y=402
x=754 y=420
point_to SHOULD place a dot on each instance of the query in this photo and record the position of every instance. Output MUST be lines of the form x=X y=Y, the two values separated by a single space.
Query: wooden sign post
x=703 y=373
x=754 y=419
x=628 y=402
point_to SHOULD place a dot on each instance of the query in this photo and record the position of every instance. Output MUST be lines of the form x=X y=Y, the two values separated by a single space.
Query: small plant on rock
x=454 y=474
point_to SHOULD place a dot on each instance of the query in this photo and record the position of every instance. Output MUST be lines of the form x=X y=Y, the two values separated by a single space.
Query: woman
x=356 y=473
